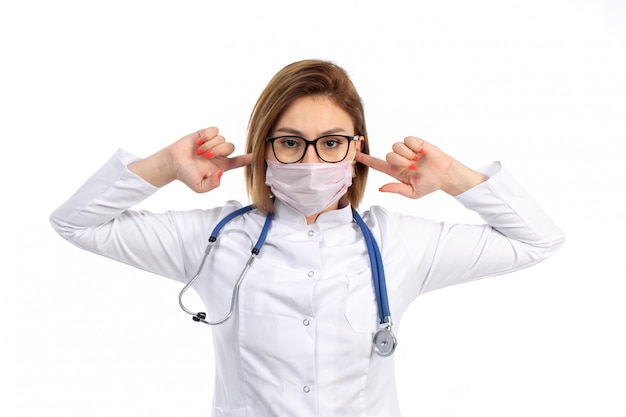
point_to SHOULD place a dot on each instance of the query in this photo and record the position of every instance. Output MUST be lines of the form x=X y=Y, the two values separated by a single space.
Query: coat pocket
x=361 y=309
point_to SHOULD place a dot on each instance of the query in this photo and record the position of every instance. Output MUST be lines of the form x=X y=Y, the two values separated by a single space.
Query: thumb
x=216 y=179
x=209 y=182
x=397 y=188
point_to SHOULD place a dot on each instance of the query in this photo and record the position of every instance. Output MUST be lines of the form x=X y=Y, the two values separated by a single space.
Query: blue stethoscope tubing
x=201 y=316
x=383 y=342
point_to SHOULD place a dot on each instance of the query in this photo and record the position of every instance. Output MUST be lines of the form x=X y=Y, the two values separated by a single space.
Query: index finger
x=239 y=161
x=373 y=162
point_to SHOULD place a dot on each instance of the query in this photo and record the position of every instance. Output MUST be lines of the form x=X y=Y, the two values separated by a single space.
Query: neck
x=339 y=204
x=313 y=217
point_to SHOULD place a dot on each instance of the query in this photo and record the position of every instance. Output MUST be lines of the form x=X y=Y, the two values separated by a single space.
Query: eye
x=333 y=142
x=289 y=142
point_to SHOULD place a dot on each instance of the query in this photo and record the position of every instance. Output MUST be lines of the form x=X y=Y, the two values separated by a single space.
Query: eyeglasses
x=329 y=148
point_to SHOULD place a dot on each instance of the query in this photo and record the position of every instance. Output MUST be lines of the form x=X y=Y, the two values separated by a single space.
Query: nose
x=310 y=155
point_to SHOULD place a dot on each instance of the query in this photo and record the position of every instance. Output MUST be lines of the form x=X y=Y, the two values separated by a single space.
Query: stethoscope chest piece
x=384 y=342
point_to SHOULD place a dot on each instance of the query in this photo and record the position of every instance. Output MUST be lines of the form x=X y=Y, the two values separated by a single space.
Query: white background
x=539 y=85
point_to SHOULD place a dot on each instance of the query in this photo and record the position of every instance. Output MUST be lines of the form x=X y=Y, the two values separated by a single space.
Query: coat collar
x=332 y=218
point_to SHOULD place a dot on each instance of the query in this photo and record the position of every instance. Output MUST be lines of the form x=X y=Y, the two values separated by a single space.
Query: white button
x=311 y=273
x=306 y=322
x=311 y=233
x=306 y=389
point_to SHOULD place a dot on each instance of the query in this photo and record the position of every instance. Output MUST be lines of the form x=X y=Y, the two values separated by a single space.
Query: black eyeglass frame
x=313 y=143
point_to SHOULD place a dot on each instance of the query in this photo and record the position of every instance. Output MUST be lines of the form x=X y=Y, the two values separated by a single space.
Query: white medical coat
x=299 y=343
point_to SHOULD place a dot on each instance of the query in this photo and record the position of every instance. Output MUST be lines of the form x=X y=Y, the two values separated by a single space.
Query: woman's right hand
x=202 y=157
x=198 y=160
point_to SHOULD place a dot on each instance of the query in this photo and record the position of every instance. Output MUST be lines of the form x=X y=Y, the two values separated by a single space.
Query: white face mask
x=309 y=188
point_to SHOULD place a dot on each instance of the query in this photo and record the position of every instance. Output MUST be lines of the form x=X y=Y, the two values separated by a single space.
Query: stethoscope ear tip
x=199 y=317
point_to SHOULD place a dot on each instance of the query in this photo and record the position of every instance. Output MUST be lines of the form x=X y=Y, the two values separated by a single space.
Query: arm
x=518 y=233
x=98 y=216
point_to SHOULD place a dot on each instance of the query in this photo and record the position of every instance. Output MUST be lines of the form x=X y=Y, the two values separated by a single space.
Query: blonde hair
x=296 y=80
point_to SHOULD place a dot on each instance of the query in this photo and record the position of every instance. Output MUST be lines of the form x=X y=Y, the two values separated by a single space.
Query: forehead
x=313 y=115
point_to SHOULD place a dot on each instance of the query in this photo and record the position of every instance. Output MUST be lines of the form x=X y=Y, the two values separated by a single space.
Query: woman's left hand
x=422 y=168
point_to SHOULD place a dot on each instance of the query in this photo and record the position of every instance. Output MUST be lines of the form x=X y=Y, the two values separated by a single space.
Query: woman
x=299 y=341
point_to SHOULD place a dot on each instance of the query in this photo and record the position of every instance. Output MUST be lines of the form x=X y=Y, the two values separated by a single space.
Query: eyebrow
x=298 y=133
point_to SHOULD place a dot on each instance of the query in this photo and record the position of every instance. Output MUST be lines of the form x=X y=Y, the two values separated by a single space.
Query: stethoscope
x=384 y=341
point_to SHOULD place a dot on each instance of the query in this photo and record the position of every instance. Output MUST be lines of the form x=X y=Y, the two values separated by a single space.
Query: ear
x=354 y=162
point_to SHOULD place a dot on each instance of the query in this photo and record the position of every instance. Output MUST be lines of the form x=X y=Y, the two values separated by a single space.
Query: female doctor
x=299 y=328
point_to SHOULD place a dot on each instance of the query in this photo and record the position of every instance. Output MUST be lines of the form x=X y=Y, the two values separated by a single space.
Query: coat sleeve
x=516 y=234
x=99 y=218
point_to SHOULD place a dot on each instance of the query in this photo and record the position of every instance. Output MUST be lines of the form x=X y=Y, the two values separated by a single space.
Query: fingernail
x=219 y=174
x=208 y=154
x=412 y=167
x=421 y=152
x=199 y=151
x=415 y=158
x=200 y=141
x=380 y=189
